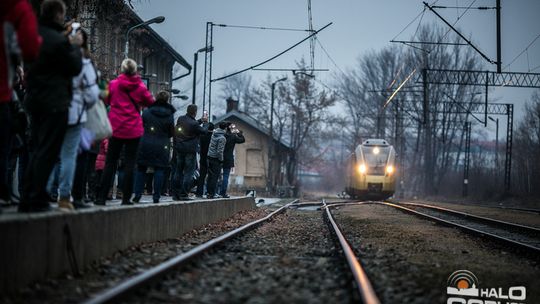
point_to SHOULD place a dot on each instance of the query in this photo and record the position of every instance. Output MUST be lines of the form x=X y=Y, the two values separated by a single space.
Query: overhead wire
x=521 y=53
x=432 y=48
x=262 y=28
x=273 y=57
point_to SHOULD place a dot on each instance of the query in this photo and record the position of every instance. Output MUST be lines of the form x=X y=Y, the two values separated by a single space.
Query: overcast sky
x=358 y=27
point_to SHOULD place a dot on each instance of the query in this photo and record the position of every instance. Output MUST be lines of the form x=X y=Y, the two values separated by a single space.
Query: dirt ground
x=509 y=215
x=409 y=259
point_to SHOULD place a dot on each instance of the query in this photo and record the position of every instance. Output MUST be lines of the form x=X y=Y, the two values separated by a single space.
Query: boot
x=65 y=203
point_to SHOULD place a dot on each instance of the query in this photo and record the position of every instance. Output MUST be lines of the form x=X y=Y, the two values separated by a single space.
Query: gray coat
x=217 y=144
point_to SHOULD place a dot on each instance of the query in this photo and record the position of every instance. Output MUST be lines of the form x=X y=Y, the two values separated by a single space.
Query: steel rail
x=535 y=250
x=529 y=229
x=362 y=282
x=130 y=284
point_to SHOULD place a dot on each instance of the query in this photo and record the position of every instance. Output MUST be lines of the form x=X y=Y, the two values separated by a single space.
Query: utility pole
x=428 y=157
x=499 y=60
x=195 y=58
x=467 y=158
x=270 y=178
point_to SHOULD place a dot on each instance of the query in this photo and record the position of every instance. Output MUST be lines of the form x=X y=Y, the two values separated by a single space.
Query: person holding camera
x=233 y=137
x=85 y=95
x=186 y=146
x=48 y=97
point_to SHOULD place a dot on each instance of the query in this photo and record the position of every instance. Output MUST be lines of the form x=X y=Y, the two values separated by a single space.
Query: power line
x=525 y=50
x=478 y=7
x=262 y=28
x=417 y=16
x=274 y=57
x=330 y=57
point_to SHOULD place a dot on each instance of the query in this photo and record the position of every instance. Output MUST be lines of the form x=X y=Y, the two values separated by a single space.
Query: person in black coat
x=186 y=146
x=203 y=160
x=155 y=147
x=233 y=137
x=48 y=98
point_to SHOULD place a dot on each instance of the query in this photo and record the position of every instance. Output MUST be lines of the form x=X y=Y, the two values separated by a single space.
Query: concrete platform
x=40 y=245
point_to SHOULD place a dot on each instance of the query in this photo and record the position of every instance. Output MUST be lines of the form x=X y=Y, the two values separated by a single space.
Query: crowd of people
x=49 y=85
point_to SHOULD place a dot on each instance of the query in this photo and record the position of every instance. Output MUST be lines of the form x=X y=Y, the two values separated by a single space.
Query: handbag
x=98 y=121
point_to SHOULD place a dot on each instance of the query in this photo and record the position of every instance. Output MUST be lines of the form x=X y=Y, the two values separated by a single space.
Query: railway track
x=361 y=279
x=515 y=235
x=165 y=273
x=130 y=285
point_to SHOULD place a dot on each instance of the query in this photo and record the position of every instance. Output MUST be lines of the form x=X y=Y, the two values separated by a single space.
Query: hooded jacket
x=155 y=146
x=85 y=91
x=20 y=15
x=124 y=115
x=217 y=144
x=50 y=78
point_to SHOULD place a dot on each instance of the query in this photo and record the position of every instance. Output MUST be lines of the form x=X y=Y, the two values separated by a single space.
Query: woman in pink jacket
x=127 y=94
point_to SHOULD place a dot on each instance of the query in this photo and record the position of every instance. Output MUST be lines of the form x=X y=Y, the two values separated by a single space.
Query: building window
x=254 y=162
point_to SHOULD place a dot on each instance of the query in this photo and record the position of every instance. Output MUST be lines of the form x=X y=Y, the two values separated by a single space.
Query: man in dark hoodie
x=186 y=146
x=215 y=158
x=155 y=146
x=47 y=100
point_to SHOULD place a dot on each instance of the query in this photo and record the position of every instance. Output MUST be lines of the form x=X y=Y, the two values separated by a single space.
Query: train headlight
x=389 y=169
x=376 y=150
x=362 y=168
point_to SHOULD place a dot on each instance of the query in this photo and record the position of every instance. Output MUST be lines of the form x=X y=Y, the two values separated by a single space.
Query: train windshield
x=376 y=156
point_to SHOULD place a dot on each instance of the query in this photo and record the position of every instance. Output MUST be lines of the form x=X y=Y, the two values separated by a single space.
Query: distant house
x=251 y=157
x=107 y=23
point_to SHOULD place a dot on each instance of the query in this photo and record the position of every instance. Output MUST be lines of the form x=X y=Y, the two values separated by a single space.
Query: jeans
x=113 y=155
x=140 y=178
x=214 y=169
x=68 y=161
x=48 y=130
x=5 y=146
x=225 y=182
x=186 y=164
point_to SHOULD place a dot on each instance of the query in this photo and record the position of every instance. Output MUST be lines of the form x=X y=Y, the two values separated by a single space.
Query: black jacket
x=187 y=132
x=50 y=77
x=228 y=153
x=155 y=147
x=205 y=142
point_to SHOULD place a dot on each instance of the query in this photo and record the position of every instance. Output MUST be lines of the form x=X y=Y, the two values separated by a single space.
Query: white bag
x=98 y=121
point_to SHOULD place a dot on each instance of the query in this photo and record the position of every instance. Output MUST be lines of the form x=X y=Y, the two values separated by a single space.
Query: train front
x=375 y=170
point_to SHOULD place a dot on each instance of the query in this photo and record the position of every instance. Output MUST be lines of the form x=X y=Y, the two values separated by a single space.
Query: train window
x=376 y=158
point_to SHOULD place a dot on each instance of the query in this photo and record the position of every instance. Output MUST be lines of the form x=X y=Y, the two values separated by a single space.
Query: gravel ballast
x=409 y=259
x=291 y=259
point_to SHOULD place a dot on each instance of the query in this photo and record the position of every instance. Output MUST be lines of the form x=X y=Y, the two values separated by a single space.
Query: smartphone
x=75 y=26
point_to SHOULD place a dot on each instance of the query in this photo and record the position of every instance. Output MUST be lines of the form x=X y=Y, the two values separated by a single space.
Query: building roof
x=165 y=45
x=251 y=122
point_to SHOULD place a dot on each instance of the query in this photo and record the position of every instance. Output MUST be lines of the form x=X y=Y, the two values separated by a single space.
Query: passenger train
x=371 y=170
